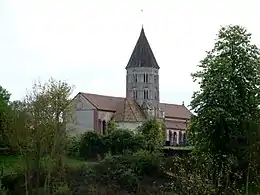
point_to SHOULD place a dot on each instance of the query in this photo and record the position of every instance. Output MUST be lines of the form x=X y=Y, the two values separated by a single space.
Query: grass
x=15 y=164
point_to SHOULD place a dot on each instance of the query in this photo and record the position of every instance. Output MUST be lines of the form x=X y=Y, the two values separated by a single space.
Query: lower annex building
x=142 y=101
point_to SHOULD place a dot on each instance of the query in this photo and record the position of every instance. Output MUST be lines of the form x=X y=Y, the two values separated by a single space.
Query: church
x=142 y=101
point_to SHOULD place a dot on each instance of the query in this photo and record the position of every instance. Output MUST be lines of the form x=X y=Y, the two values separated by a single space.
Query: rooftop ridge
x=171 y=104
x=108 y=96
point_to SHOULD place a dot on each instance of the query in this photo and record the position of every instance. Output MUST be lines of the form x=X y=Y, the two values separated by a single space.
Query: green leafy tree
x=38 y=127
x=4 y=107
x=229 y=80
x=153 y=132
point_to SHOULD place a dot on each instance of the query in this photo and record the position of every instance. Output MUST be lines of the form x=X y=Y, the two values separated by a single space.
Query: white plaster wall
x=83 y=115
x=105 y=115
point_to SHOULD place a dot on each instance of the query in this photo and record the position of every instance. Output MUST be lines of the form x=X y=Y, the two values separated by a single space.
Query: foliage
x=153 y=131
x=4 y=109
x=111 y=126
x=3 y=190
x=229 y=85
x=188 y=176
x=228 y=98
x=116 y=142
x=92 y=145
x=146 y=163
x=126 y=170
x=116 y=170
x=73 y=146
x=123 y=140
x=62 y=190
x=38 y=127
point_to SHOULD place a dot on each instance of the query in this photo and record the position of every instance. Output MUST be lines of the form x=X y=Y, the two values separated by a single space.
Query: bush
x=128 y=170
x=62 y=190
x=121 y=141
x=92 y=145
x=117 y=142
x=116 y=171
x=153 y=130
x=146 y=163
x=73 y=147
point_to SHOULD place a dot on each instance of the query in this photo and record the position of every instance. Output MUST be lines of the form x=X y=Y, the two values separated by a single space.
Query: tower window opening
x=145 y=77
x=146 y=94
x=155 y=78
x=134 y=94
x=135 y=78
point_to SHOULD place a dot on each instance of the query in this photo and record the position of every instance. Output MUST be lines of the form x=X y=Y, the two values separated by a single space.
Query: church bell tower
x=142 y=77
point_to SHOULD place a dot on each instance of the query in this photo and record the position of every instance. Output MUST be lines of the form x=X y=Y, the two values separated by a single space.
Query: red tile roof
x=103 y=102
x=175 y=111
x=178 y=125
x=110 y=103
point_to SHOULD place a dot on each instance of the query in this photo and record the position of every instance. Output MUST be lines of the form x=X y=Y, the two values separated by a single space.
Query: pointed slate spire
x=142 y=55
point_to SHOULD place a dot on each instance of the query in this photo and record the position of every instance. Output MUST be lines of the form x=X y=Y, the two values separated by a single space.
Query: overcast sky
x=89 y=42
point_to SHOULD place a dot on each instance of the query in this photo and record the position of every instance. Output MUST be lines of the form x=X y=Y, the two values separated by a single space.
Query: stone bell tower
x=142 y=77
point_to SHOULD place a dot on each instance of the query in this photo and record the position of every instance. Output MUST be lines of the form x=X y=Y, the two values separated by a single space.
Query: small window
x=155 y=95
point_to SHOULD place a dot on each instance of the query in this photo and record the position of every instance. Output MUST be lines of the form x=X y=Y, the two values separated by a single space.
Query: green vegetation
x=39 y=156
x=15 y=164
x=178 y=147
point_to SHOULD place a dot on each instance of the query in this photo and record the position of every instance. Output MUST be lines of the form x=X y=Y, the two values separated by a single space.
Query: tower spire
x=142 y=55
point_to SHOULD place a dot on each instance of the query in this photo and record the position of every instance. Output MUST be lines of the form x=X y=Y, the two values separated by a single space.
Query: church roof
x=120 y=104
x=124 y=109
x=142 y=55
x=177 y=125
x=129 y=111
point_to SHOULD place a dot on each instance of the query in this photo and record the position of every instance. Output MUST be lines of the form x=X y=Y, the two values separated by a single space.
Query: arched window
x=184 y=139
x=170 y=137
x=174 y=138
x=156 y=79
x=134 y=94
x=156 y=94
x=180 y=138
x=145 y=78
x=135 y=78
x=146 y=94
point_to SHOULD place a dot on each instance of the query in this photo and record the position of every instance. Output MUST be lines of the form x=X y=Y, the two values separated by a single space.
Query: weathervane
x=142 y=17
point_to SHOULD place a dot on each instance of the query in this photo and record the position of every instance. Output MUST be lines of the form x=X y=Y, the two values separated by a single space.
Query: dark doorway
x=104 y=126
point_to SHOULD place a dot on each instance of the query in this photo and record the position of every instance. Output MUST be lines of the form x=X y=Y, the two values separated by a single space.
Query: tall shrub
x=153 y=133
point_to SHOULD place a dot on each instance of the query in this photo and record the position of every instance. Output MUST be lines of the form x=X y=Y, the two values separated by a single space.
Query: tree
x=229 y=79
x=39 y=128
x=4 y=101
x=153 y=132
